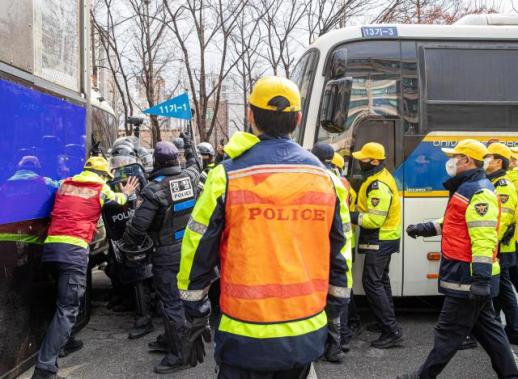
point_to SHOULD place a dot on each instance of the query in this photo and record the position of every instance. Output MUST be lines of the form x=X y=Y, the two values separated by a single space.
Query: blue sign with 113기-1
x=379 y=32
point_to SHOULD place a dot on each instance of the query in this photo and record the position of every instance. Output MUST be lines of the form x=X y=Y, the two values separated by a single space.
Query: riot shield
x=115 y=218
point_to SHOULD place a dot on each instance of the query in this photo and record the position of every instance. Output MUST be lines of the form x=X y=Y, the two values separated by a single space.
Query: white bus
x=415 y=89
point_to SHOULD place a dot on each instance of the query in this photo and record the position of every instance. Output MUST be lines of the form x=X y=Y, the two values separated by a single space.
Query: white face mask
x=487 y=161
x=451 y=167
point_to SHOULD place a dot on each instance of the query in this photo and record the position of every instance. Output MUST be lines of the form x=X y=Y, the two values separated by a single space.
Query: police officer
x=208 y=155
x=513 y=176
x=338 y=329
x=498 y=157
x=276 y=218
x=468 y=274
x=74 y=217
x=350 y=323
x=378 y=214
x=168 y=200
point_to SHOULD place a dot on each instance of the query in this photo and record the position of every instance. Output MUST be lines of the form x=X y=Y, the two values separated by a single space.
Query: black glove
x=479 y=291
x=200 y=334
x=187 y=140
x=425 y=229
x=508 y=235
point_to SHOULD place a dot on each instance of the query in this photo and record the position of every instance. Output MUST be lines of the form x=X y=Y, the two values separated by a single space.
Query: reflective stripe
x=67 y=239
x=265 y=291
x=369 y=247
x=479 y=259
x=360 y=219
x=196 y=227
x=194 y=295
x=342 y=292
x=438 y=228
x=482 y=224
x=377 y=212
x=275 y=171
x=455 y=286
x=287 y=329
x=15 y=237
x=508 y=210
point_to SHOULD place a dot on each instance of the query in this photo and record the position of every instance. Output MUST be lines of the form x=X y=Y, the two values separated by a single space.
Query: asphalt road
x=109 y=354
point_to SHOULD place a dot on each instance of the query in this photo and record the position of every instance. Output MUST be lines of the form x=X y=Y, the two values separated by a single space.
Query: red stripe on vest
x=274 y=290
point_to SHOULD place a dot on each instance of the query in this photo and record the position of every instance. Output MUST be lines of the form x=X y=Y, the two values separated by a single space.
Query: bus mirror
x=335 y=105
x=338 y=63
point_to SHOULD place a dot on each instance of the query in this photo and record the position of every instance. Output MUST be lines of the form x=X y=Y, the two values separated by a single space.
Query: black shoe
x=71 y=346
x=160 y=345
x=412 y=375
x=170 y=363
x=335 y=357
x=356 y=328
x=373 y=327
x=388 y=340
x=468 y=343
x=346 y=347
x=44 y=374
x=142 y=326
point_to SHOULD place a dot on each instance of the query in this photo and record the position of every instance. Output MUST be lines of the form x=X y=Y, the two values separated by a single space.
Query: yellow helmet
x=499 y=149
x=270 y=87
x=338 y=161
x=371 y=150
x=514 y=153
x=468 y=147
x=98 y=164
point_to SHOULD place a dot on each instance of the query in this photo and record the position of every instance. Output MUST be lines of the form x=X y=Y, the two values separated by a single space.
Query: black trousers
x=231 y=372
x=458 y=318
x=166 y=287
x=376 y=283
x=71 y=281
x=346 y=334
x=506 y=301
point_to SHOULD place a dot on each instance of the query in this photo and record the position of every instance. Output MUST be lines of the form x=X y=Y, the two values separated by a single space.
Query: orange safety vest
x=277 y=224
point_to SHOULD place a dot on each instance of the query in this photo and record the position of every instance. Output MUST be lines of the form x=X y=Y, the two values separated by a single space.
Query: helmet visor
x=121 y=160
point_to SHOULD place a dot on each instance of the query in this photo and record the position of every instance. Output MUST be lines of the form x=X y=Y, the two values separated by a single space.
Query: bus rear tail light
x=432 y=276
x=433 y=256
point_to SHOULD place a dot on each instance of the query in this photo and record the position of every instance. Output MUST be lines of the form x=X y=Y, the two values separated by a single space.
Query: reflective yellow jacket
x=378 y=213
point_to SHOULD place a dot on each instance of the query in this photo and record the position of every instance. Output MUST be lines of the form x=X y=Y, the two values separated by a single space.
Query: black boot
x=388 y=340
x=71 y=346
x=333 y=352
x=177 y=341
x=44 y=374
x=160 y=345
x=143 y=324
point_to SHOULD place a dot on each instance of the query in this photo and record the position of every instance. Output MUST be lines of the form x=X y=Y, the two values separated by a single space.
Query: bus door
x=388 y=133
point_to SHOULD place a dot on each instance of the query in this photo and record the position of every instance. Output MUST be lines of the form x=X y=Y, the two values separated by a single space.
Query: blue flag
x=177 y=107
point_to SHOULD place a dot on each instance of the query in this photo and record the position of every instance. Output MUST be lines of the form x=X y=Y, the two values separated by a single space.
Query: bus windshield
x=303 y=75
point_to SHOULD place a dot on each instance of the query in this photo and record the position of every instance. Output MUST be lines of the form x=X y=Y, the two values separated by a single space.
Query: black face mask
x=365 y=166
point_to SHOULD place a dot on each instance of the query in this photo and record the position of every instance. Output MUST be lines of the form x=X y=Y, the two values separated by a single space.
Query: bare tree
x=282 y=27
x=433 y=11
x=148 y=42
x=325 y=15
x=109 y=30
x=209 y=25
x=247 y=41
